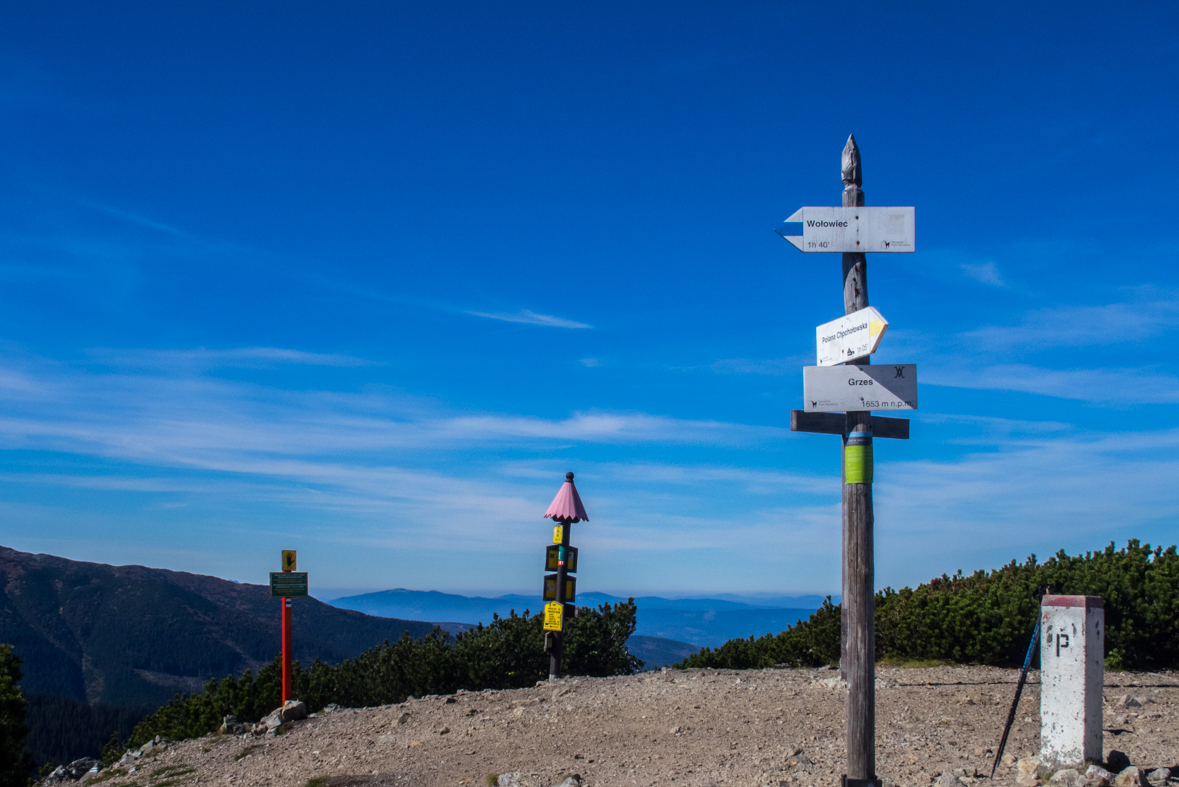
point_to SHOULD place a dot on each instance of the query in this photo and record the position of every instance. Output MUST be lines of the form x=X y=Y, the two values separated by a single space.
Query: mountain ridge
x=692 y=621
x=134 y=635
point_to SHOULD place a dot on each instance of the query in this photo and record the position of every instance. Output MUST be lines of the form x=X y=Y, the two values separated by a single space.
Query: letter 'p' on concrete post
x=1072 y=671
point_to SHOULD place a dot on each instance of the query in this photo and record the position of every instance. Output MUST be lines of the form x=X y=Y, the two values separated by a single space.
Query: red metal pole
x=286 y=649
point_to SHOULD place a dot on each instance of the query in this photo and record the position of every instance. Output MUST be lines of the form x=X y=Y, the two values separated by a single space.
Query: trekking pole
x=1023 y=676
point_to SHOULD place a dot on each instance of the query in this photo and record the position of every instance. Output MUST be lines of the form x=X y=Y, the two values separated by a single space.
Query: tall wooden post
x=286 y=649
x=562 y=572
x=858 y=628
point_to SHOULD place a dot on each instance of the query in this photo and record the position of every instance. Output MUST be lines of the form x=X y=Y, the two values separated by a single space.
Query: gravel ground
x=697 y=727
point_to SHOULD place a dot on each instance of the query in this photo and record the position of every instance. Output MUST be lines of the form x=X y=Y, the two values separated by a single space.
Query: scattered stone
x=1130 y=777
x=444 y=731
x=331 y=707
x=1096 y=776
x=1066 y=777
x=231 y=726
x=949 y=780
x=449 y=701
x=1158 y=776
x=1025 y=771
x=675 y=730
x=292 y=710
x=1126 y=701
x=403 y=718
x=572 y=780
x=72 y=772
x=1008 y=760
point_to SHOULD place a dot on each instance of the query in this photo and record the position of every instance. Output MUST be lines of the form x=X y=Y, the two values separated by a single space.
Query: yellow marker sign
x=552 y=616
x=558 y=534
x=288 y=560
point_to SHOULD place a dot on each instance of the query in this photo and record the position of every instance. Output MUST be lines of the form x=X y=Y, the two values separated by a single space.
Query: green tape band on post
x=857 y=458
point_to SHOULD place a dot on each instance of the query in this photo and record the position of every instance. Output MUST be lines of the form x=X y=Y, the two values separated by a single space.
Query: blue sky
x=366 y=279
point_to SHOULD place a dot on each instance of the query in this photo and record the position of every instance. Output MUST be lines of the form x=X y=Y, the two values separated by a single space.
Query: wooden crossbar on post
x=836 y=423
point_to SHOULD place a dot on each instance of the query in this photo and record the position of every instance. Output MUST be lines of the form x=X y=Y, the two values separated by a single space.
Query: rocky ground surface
x=699 y=727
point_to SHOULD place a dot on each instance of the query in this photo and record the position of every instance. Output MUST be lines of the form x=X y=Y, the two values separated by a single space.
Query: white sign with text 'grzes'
x=832 y=389
x=852 y=229
x=854 y=336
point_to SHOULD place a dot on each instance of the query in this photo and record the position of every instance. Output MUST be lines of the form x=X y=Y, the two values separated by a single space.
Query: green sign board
x=285 y=584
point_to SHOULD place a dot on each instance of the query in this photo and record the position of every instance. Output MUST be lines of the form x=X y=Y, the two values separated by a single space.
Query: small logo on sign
x=900 y=372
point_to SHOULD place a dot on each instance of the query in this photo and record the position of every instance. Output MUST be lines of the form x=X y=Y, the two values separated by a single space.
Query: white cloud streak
x=1082 y=325
x=202 y=357
x=526 y=317
x=1099 y=386
x=984 y=272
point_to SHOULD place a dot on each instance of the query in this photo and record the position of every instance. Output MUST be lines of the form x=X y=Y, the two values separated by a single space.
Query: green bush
x=506 y=654
x=15 y=762
x=987 y=617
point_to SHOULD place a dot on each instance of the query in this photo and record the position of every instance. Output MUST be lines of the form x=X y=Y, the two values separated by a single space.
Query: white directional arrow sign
x=852 y=229
x=829 y=389
x=854 y=336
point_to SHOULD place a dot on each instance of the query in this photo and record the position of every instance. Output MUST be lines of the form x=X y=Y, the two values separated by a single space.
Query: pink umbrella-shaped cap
x=566 y=506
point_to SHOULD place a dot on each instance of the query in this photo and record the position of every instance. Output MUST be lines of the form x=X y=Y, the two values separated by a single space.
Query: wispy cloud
x=989 y=430
x=1099 y=386
x=175 y=417
x=1131 y=320
x=985 y=272
x=1077 y=491
x=238 y=356
x=770 y=367
x=136 y=219
x=527 y=317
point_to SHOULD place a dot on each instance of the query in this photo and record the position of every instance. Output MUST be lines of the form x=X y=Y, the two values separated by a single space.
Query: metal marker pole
x=559 y=636
x=286 y=649
x=858 y=619
x=1023 y=676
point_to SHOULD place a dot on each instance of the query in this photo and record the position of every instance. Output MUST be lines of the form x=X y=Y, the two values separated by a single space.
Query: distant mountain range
x=697 y=621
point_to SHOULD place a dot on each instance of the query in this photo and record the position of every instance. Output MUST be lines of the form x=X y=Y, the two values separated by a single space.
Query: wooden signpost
x=285 y=585
x=853 y=230
x=560 y=589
